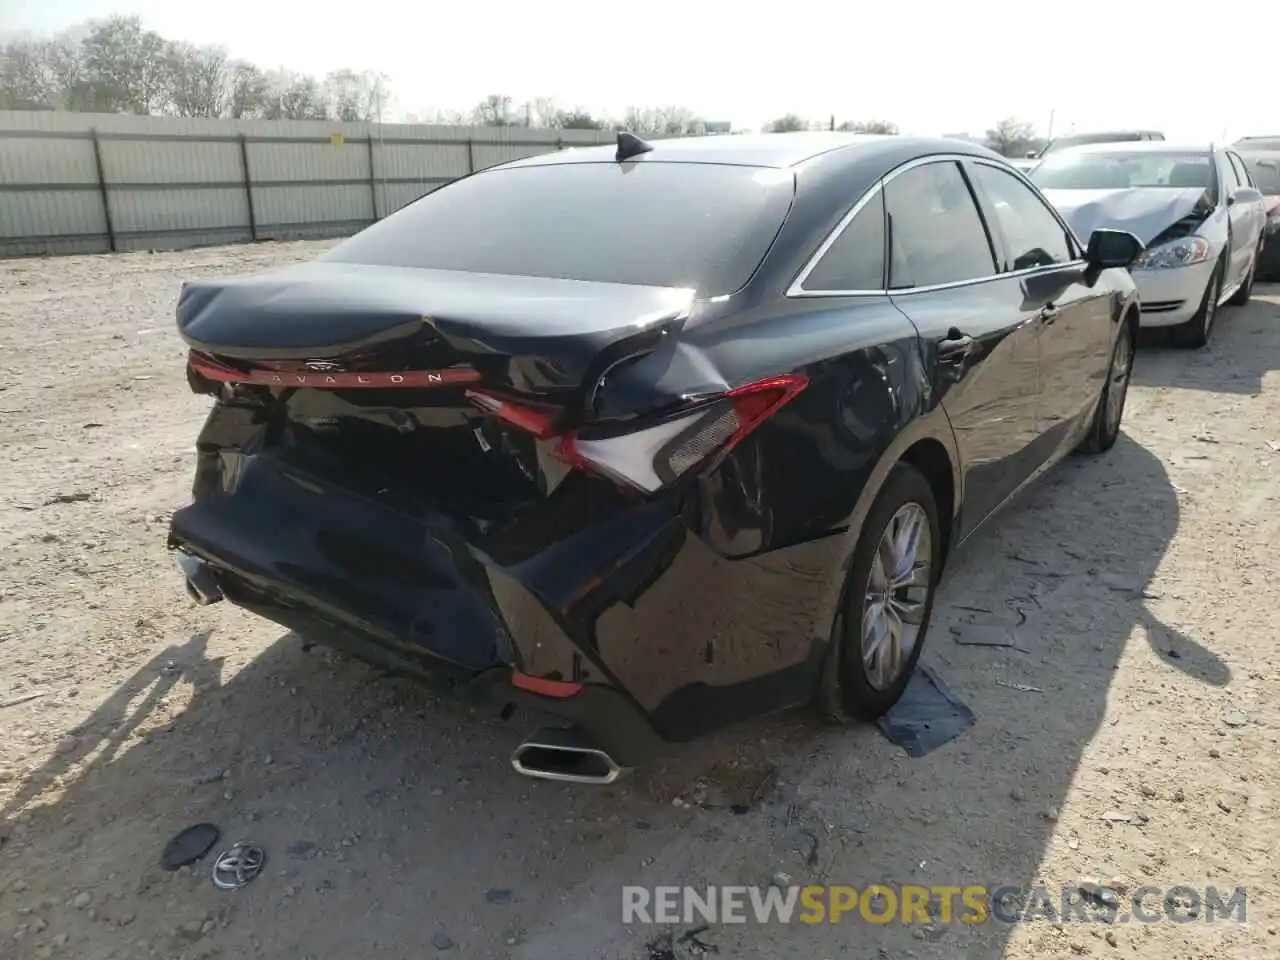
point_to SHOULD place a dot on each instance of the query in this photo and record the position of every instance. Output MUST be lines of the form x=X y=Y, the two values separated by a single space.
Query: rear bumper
x=611 y=719
x=668 y=637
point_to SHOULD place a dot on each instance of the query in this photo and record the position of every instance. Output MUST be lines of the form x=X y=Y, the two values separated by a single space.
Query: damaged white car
x=1196 y=208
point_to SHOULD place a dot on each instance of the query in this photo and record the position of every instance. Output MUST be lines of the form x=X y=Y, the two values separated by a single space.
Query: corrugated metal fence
x=90 y=183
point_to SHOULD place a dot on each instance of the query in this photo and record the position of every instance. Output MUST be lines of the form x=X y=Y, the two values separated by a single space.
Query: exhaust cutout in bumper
x=202 y=586
x=556 y=753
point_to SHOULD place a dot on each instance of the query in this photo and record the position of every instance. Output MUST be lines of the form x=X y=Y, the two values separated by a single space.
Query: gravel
x=175 y=703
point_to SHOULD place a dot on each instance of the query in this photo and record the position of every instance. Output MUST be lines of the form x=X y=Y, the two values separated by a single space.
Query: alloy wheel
x=897 y=595
x=1118 y=388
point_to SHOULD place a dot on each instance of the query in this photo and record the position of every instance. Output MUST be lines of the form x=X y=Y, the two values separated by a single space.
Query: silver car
x=1196 y=208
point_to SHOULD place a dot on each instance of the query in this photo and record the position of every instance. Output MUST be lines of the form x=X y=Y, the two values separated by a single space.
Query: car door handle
x=956 y=348
x=1048 y=314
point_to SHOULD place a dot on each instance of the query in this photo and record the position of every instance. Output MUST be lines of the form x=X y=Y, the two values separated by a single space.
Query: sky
x=932 y=67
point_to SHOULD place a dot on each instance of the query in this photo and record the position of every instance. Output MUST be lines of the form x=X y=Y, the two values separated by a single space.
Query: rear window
x=705 y=226
x=1266 y=174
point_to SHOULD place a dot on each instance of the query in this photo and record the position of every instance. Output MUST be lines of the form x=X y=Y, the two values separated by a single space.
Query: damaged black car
x=650 y=438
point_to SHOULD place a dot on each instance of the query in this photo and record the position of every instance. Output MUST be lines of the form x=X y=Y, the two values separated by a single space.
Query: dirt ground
x=1145 y=685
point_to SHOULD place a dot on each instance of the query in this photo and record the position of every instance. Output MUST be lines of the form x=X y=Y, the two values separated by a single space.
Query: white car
x=1196 y=208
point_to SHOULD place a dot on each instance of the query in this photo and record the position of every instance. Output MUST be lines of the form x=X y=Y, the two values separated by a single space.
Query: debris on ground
x=1020 y=687
x=189 y=845
x=238 y=866
x=78 y=497
x=687 y=946
x=983 y=635
x=927 y=716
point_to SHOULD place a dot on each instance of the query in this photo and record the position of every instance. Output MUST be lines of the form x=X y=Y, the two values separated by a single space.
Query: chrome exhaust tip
x=202 y=586
x=566 y=754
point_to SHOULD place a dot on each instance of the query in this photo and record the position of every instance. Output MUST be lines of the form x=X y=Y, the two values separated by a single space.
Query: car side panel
x=1073 y=317
x=770 y=531
x=1240 y=220
x=990 y=398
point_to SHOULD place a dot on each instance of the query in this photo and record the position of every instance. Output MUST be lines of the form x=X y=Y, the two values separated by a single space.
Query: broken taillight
x=657 y=454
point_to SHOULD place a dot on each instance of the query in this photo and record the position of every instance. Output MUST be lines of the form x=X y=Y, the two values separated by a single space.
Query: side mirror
x=1244 y=195
x=1112 y=248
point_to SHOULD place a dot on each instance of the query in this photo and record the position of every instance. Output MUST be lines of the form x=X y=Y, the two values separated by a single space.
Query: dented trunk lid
x=367 y=376
x=528 y=333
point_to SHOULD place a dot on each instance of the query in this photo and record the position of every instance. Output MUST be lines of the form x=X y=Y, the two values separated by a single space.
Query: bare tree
x=294 y=96
x=247 y=91
x=870 y=126
x=65 y=60
x=27 y=80
x=197 y=79
x=1011 y=137
x=661 y=121
x=125 y=67
x=576 y=119
x=494 y=110
x=788 y=123
x=355 y=95
x=542 y=112
x=449 y=118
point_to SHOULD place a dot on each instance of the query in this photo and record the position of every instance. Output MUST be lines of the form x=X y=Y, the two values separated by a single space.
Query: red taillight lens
x=556 y=689
x=540 y=423
x=657 y=455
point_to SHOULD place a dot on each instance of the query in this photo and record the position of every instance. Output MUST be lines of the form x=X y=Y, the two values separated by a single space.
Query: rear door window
x=936 y=235
x=700 y=225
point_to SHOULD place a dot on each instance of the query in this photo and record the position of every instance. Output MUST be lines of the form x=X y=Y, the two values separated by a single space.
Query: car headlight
x=1182 y=252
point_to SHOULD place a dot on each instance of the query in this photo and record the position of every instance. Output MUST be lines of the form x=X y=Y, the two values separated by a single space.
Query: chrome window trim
x=796 y=290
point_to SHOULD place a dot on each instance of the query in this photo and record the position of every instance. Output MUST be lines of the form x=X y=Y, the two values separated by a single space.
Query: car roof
x=1271 y=155
x=1108 y=133
x=1142 y=146
x=777 y=150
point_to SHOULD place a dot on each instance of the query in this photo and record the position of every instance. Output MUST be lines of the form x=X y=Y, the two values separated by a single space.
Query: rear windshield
x=1266 y=174
x=1119 y=170
x=705 y=226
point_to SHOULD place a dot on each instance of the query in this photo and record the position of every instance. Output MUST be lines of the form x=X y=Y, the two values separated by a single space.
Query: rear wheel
x=1195 y=332
x=1105 y=428
x=884 y=617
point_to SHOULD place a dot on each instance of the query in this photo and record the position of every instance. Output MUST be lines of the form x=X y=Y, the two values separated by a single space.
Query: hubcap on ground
x=1121 y=364
x=896 y=595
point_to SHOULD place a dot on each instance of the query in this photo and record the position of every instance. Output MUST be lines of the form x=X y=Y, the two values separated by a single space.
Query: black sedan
x=650 y=438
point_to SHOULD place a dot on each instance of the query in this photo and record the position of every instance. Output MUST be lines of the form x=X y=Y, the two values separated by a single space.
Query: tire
x=1107 y=416
x=1195 y=333
x=849 y=688
x=1241 y=296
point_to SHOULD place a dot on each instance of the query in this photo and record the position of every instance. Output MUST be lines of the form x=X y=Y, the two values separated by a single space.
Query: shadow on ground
x=1229 y=366
x=395 y=827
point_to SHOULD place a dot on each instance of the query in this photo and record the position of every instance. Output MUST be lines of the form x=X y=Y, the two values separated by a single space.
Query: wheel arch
x=928 y=444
